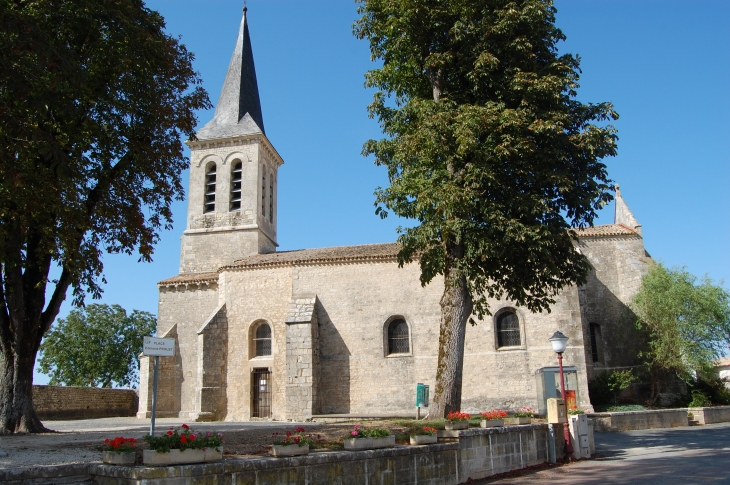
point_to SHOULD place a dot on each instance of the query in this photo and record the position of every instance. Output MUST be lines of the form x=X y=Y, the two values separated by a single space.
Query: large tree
x=488 y=150
x=96 y=346
x=687 y=324
x=94 y=100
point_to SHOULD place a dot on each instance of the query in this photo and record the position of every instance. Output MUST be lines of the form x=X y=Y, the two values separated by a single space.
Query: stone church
x=343 y=330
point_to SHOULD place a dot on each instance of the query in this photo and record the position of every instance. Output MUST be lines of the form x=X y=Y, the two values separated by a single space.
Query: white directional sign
x=160 y=347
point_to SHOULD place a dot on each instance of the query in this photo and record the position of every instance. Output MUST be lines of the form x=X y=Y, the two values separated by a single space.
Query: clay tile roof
x=365 y=252
x=189 y=278
x=606 y=230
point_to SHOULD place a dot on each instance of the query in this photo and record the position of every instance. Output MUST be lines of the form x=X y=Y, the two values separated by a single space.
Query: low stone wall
x=477 y=453
x=61 y=402
x=711 y=415
x=631 y=420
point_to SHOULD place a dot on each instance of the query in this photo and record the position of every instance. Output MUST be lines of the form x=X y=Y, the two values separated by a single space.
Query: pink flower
x=354 y=433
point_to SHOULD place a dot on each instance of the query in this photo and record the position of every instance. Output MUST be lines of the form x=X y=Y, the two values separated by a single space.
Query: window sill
x=511 y=348
x=395 y=356
x=262 y=357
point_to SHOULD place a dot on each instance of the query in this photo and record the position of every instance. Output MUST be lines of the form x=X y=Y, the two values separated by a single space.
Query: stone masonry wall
x=212 y=355
x=354 y=304
x=479 y=453
x=619 y=264
x=61 y=402
x=185 y=307
x=252 y=297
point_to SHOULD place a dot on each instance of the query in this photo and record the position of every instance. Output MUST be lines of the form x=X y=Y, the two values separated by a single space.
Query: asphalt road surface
x=686 y=456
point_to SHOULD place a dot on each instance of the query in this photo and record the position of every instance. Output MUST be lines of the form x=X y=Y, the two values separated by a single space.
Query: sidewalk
x=678 y=456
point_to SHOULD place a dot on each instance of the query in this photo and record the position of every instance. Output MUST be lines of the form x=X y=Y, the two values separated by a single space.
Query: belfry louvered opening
x=236 y=177
x=508 y=329
x=398 y=338
x=209 y=204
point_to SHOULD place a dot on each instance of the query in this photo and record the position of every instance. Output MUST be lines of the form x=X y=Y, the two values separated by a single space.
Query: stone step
x=693 y=422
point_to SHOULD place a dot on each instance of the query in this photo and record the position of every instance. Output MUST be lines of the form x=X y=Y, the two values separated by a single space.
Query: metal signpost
x=157 y=347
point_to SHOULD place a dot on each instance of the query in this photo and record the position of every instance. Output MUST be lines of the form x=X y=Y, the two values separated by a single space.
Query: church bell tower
x=232 y=196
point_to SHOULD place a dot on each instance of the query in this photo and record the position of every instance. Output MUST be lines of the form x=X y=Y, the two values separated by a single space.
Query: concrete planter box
x=119 y=458
x=457 y=425
x=711 y=415
x=355 y=444
x=177 y=457
x=491 y=423
x=289 y=450
x=424 y=439
x=448 y=434
x=515 y=420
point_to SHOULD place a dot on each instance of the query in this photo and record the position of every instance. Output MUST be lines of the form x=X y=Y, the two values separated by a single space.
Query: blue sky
x=663 y=63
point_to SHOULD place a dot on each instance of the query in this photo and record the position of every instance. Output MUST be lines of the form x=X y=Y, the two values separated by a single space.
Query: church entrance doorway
x=261 y=393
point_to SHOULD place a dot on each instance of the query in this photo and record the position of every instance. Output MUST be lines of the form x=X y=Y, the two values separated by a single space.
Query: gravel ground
x=82 y=441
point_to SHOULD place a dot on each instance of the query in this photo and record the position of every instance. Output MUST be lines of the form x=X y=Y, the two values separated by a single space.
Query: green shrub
x=699 y=400
x=606 y=387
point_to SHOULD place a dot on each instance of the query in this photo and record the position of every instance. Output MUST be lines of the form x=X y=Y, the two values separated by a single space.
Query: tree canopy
x=94 y=100
x=687 y=323
x=97 y=346
x=488 y=149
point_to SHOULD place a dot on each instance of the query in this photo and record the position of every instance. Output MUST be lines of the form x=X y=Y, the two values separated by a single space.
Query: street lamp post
x=559 y=343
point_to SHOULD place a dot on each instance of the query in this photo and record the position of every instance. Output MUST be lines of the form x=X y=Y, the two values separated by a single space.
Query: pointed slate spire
x=623 y=214
x=239 y=109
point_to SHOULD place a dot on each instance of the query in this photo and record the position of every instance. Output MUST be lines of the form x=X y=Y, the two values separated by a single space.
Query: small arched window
x=236 y=176
x=596 y=343
x=210 y=189
x=262 y=340
x=508 y=329
x=398 y=338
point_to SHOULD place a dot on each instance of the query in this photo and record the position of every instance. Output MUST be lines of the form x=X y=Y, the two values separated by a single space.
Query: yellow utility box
x=556 y=411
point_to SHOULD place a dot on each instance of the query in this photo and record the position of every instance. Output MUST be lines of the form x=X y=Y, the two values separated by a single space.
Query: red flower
x=169 y=433
x=192 y=437
x=299 y=429
x=185 y=426
x=183 y=439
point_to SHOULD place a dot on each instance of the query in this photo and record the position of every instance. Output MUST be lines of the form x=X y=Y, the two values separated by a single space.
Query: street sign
x=159 y=347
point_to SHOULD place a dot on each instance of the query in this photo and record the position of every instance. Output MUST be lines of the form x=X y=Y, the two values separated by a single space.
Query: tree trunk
x=456 y=306
x=17 y=413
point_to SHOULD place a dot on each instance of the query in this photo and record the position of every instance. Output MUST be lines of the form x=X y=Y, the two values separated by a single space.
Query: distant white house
x=723 y=370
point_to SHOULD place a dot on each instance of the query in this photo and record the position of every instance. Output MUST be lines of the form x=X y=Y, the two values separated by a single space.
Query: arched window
x=508 y=329
x=263 y=195
x=210 y=189
x=263 y=340
x=596 y=342
x=398 y=338
x=271 y=199
x=236 y=176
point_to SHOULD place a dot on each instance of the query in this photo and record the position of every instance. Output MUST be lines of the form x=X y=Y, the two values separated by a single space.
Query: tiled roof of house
x=189 y=278
x=606 y=230
x=360 y=253
x=350 y=254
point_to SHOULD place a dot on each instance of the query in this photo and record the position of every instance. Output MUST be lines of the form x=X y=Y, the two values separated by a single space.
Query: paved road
x=686 y=456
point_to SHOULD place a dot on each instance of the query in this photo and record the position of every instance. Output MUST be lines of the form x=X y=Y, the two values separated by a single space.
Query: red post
x=566 y=426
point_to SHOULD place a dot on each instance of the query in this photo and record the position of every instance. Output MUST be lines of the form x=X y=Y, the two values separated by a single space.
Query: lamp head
x=559 y=342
